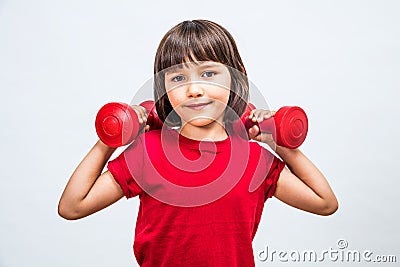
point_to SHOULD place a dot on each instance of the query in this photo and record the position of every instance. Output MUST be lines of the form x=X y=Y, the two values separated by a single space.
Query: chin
x=201 y=122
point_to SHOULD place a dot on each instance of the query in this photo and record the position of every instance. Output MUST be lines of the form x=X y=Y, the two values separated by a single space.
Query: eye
x=208 y=74
x=178 y=78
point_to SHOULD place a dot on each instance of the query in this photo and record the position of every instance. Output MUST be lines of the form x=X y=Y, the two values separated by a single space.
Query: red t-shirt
x=200 y=201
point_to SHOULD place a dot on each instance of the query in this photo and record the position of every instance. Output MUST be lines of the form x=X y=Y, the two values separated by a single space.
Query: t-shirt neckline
x=202 y=145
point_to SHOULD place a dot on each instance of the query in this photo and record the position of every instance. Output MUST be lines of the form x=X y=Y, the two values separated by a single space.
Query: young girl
x=202 y=186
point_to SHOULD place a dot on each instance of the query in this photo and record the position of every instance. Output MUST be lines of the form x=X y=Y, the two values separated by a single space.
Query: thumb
x=254 y=131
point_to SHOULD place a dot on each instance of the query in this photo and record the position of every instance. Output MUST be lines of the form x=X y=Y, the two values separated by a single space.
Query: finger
x=263 y=115
x=262 y=137
x=259 y=115
x=256 y=115
x=267 y=139
x=268 y=114
x=254 y=131
x=143 y=118
x=142 y=114
x=138 y=113
x=251 y=115
x=142 y=111
x=139 y=118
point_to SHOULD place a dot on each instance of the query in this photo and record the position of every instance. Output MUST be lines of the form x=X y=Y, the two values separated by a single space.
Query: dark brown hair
x=194 y=41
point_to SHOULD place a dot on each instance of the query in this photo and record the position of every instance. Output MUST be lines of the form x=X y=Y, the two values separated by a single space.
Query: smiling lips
x=198 y=106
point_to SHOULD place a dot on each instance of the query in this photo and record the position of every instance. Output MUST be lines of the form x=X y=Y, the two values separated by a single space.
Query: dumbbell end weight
x=291 y=126
x=116 y=124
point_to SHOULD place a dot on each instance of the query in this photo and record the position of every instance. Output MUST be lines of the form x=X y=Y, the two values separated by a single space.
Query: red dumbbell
x=288 y=127
x=117 y=124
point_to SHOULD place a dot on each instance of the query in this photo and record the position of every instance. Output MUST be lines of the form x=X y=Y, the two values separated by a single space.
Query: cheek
x=174 y=98
x=226 y=85
x=225 y=93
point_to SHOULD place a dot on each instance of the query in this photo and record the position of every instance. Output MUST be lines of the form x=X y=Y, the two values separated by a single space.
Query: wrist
x=104 y=148
x=286 y=153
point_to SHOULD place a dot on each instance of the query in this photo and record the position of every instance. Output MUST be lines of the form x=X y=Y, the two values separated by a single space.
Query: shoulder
x=259 y=153
x=144 y=145
x=259 y=149
x=153 y=139
x=148 y=137
x=153 y=135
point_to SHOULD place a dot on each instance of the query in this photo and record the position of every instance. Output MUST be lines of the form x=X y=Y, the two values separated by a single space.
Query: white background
x=60 y=61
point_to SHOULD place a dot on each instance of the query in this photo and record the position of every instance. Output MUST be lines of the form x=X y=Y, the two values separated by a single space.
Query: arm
x=301 y=185
x=88 y=190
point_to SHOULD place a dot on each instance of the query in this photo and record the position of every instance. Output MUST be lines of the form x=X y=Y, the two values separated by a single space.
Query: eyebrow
x=202 y=65
x=205 y=65
x=173 y=69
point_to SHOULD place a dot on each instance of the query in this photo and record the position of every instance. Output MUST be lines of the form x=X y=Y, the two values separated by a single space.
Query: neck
x=214 y=131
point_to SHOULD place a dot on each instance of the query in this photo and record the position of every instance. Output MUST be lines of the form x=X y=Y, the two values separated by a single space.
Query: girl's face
x=199 y=92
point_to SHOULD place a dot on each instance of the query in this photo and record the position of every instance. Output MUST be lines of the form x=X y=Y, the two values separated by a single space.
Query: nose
x=195 y=90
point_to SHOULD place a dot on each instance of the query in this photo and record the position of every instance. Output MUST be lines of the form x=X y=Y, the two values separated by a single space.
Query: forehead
x=196 y=65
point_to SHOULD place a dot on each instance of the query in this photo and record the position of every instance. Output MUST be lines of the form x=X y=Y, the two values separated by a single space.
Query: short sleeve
x=127 y=167
x=273 y=176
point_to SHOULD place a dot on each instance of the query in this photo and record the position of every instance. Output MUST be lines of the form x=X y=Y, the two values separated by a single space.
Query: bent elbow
x=67 y=213
x=330 y=208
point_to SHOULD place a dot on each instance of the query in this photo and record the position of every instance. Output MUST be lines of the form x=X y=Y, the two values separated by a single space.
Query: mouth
x=198 y=106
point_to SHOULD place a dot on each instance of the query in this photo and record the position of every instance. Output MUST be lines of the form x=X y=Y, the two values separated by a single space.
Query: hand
x=258 y=115
x=142 y=116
